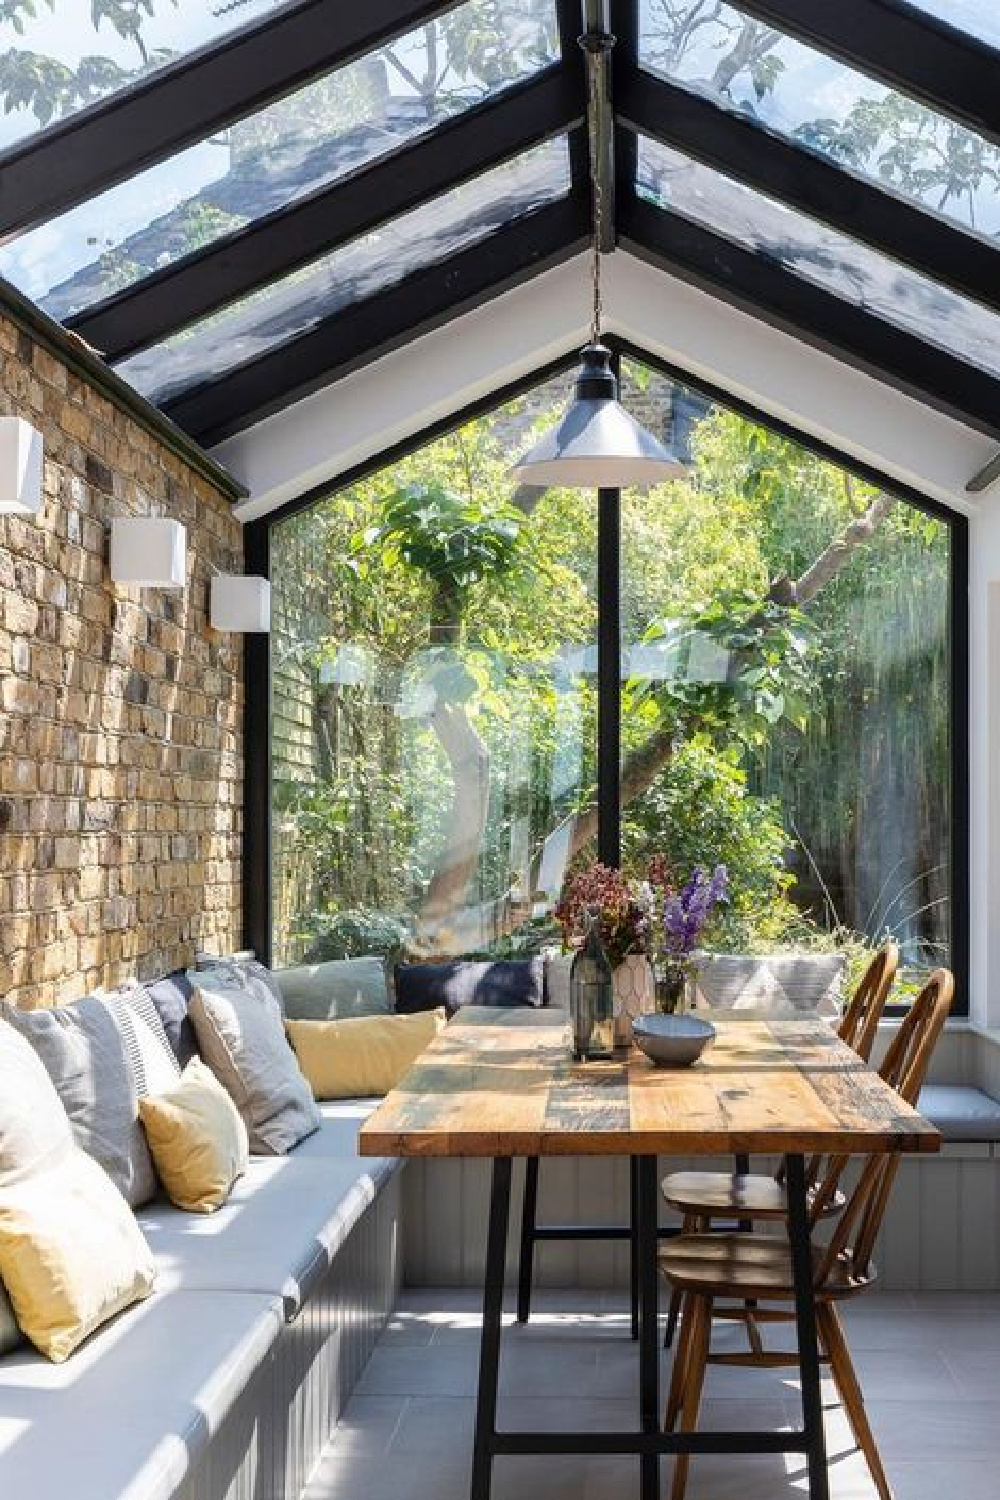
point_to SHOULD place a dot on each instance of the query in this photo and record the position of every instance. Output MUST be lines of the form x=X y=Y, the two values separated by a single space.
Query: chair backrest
x=904 y=1069
x=860 y=1024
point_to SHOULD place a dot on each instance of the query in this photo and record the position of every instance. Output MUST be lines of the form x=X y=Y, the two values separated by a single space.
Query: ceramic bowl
x=672 y=1041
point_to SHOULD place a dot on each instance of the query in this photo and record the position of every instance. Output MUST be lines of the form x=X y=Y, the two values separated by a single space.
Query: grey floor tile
x=369 y=1423
x=409 y=1371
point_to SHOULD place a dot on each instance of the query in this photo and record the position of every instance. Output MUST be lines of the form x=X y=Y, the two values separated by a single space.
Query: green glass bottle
x=591 y=997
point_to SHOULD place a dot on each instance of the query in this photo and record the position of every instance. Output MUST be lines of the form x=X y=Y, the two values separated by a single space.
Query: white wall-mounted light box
x=148 y=552
x=20 y=467
x=240 y=604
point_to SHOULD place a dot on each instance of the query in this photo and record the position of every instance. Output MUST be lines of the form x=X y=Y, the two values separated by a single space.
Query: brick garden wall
x=121 y=711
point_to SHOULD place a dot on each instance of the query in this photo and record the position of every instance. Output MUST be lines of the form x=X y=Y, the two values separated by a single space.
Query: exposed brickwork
x=121 y=711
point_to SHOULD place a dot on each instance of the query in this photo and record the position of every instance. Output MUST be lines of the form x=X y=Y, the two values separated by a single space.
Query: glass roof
x=323 y=132
x=980 y=18
x=57 y=56
x=289 y=308
x=831 y=260
x=748 y=67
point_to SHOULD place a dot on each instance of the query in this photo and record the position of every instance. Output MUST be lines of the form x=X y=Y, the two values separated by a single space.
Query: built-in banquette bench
x=227 y=1382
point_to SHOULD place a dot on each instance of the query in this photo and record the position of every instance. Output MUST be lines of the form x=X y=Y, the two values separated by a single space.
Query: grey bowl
x=672 y=1041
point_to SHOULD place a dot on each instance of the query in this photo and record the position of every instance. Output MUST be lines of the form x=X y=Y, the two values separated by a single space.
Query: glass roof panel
x=980 y=18
x=828 y=259
x=291 y=307
x=332 y=127
x=57 y=56
x=748 y=67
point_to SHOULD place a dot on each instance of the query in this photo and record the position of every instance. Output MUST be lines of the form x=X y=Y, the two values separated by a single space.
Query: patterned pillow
x=151 y=1060
x=771 y=985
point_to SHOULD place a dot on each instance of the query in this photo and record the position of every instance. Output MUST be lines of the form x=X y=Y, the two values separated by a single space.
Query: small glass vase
x=671 y=989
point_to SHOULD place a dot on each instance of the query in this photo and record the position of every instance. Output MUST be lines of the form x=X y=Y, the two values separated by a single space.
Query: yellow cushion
x=363 y=1055
x=71 y=1253
x=198 y=1139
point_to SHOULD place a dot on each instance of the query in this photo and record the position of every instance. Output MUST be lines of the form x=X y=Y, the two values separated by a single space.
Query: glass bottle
x=591 y=997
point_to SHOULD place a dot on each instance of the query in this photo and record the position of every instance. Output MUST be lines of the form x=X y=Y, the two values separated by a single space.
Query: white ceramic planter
x=635 y=994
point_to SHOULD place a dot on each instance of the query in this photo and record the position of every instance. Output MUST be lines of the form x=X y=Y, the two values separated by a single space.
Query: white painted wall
x=312 y=442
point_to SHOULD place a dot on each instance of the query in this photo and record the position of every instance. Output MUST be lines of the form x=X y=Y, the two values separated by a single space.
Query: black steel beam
x=776 y=296
x=258 y=865
x=947 y=69
x=189 y=99
x=370 y=329
x=754 y=156
x=457 y=150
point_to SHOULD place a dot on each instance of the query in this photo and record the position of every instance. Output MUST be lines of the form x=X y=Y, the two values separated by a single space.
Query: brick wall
x=121 y=711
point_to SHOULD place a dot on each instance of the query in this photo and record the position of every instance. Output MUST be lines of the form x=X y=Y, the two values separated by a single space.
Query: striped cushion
x=150 y=1057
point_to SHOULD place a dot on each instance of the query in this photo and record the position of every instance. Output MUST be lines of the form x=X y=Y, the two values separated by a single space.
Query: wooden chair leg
x=832 y=1336
x=700 y=1314
x=678 y=1373
x=676 y=1297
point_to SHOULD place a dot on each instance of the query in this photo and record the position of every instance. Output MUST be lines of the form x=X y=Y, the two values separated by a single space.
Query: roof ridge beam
x=360 y=334
x=758 y=158
x=190 y=98
x=457 y=150
x=947 y=69
x=765 y=290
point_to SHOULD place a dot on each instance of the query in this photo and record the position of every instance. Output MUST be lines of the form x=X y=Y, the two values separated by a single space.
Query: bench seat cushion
x=282 y=1226
x=960 y=1112
x=125 y=1418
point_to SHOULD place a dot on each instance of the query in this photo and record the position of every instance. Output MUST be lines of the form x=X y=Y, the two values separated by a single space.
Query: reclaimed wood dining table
x=501 y=1083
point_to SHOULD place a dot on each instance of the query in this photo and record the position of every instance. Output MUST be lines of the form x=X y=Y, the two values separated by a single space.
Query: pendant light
x=597 y=444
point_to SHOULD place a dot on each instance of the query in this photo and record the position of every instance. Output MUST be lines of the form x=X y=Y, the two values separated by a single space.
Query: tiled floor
x=929 y=1364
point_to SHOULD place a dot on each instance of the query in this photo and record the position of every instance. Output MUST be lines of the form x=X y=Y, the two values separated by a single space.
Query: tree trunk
x=458 y=858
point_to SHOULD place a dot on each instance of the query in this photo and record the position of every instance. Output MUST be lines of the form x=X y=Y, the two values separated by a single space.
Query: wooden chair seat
x=713 y=1195
x=751 y=1265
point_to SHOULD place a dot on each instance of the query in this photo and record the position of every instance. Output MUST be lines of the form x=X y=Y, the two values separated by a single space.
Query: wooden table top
x=503 y=1083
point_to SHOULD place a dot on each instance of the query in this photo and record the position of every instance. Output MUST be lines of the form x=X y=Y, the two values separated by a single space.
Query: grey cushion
x=340 y=987
x=771 y=984
x=139 y=1404
x=960 y=1113
x=171 y=997
x=81 y=1049
x=241 y=1034
x=215 y=972
x=10 y=1334
x=286 y=1219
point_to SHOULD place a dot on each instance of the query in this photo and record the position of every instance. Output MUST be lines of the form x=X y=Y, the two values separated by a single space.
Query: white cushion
x=284 y=1222
x=127 y=1415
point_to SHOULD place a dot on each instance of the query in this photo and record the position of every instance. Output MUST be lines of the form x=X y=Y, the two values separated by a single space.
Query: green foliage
x=453 y=540
x=699 y=812
x=353 y=934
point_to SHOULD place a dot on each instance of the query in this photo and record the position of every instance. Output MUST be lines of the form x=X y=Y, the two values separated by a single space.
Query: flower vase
x=635 y=994
x=671 y=990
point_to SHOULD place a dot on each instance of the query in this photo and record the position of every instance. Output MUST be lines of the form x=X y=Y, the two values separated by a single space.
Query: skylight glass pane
x=332 y=127
x=56 y=56
x=820 y=255
x=980 y=18
x=289 y=308
x=748 y=67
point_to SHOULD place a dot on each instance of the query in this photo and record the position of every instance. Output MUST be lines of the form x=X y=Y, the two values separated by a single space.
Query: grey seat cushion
x=281 y=1228
x=81 y=1049
x=146 y=1394
x=960 y=1112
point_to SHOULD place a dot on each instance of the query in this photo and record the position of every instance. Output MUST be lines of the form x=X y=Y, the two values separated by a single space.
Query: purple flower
x=685 y=915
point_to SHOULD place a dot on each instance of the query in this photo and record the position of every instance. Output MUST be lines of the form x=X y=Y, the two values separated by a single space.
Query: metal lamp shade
x=597 y=444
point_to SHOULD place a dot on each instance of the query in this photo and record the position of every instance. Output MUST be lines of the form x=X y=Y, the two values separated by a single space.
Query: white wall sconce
x=149 y=552
x=20 y=467
x=240 y=604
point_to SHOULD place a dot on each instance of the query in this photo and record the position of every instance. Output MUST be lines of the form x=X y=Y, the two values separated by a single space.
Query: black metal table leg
x=526 y=1261
x=633 y=1244
x=805 y=1320
x=645 y=1241
x=489 y=1349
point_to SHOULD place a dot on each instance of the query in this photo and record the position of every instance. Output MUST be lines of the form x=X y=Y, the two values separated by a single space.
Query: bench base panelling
x=941 y=1233
x=273 y=1436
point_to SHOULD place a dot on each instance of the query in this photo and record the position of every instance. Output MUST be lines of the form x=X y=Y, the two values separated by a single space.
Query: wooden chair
x=701 y=1197
x=758 y=1267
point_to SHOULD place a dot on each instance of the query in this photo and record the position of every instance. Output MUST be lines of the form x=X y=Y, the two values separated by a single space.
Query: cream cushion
x=198 y=1139
x=71 y=1253
x=241 y=1034
x=364 y=1055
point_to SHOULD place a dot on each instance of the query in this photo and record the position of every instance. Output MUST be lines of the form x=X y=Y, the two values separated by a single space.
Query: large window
x=788 y=682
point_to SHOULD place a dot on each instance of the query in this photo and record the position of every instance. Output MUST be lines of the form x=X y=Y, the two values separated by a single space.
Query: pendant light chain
x=593 y=79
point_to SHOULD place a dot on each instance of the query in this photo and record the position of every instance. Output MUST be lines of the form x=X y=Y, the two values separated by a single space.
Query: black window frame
x=257 y=842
